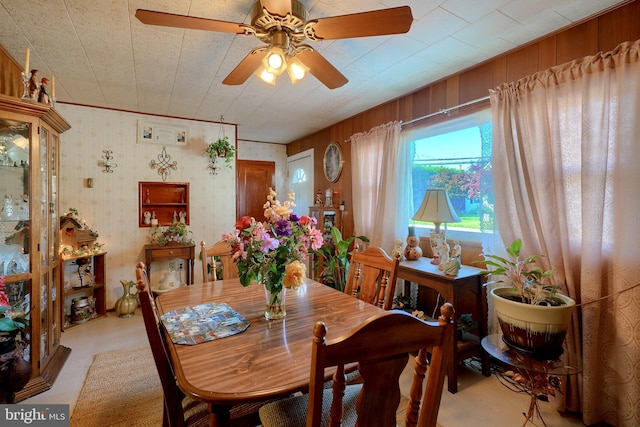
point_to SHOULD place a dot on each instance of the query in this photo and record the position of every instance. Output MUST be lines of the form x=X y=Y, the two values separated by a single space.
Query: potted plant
x=332 y=259
x=221 y=148
x=176 y=233
x=14 y=320
x=532 y=315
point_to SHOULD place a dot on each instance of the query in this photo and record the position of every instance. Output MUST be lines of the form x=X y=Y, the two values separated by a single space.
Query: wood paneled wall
x=10 y=77
x=599 y=34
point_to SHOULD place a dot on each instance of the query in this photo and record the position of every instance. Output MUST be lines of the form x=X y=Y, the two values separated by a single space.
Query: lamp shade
x=436 y=207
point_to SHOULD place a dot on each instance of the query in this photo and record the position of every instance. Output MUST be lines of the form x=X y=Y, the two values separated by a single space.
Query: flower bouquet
x=273 y=252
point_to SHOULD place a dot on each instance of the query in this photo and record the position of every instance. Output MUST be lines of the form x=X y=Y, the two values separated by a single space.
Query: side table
x=537 y=373
x=154 y=253
x=469 y=279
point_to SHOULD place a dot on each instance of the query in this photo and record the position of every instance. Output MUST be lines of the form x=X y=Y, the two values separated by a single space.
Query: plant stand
x=539 y=377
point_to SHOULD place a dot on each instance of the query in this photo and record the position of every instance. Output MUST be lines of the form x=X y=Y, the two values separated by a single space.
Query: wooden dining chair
x=372 y=277
x=180 y=410
x=222 y=251
x=381 y=347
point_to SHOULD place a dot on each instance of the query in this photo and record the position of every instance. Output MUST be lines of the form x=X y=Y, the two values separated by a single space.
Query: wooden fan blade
x=277 y=7
x=396 y=20
x=246 y=67
x=150 y=17
x=322 y=69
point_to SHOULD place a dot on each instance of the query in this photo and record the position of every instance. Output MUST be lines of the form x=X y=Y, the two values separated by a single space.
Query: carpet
x=122 y=388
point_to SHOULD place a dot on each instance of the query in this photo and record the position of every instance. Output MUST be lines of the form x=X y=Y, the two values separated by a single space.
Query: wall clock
x=332 y=162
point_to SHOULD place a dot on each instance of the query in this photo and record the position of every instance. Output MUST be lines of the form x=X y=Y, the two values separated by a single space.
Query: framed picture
x=332 y=162
x=173 y=136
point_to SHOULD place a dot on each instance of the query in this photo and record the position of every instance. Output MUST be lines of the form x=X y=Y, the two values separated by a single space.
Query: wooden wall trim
x=600 y=33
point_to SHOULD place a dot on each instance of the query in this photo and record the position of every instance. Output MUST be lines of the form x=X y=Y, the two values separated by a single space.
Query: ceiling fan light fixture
x=274 y=62
x=266 y=76
x=296 y=69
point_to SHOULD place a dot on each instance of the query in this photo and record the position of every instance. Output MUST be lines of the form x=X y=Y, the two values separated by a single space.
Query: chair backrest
x=142 y=280
x=172 y=394
x=372 y=277
x=381 y=345
x=222 y=251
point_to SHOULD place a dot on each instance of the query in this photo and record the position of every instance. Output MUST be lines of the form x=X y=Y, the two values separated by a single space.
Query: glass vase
x=275 y=304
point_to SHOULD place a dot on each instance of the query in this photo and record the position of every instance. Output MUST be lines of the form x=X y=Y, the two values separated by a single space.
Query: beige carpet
x=122 y=388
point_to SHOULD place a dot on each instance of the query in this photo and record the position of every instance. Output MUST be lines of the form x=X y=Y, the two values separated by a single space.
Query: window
x=456 y=155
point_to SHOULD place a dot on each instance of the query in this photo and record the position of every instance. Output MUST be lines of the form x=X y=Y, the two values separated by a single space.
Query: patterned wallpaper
x=111 y=206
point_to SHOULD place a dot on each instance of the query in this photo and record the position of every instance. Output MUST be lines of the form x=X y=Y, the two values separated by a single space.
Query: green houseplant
x=176 y=233
x=221 y=149
x=532 y=315
x=332 y=259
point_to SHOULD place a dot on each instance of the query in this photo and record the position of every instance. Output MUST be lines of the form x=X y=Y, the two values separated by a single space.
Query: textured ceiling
x=101 y=55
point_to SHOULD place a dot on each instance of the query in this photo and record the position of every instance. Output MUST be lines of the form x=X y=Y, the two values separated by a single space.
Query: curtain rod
x=442 y=111
x=446 y=110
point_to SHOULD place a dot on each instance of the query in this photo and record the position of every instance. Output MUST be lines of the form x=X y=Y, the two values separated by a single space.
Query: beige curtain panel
x=566 y=158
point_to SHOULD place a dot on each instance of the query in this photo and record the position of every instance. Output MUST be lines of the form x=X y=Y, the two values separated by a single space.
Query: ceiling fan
x=284 y=25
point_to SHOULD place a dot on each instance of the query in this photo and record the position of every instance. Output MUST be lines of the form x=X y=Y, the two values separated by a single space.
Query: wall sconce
x=164 y=164
x=107 y=165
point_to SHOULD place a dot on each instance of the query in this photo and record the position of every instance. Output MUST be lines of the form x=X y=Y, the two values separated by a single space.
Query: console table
x=469 y=279
x=154 y=253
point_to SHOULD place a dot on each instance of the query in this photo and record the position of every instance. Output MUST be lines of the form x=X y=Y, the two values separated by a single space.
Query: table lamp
x=436 y=207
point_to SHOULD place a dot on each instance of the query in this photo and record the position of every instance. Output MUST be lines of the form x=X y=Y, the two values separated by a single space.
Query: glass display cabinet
x=29 y=240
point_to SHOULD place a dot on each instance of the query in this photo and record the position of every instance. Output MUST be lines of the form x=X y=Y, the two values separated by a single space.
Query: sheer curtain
x=566 y=161
x=380 y=175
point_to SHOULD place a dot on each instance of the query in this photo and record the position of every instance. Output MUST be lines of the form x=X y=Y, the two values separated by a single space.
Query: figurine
x=398 y=251
x=456 y=252
x=43 y=95
x=444 y=255
x=34 y=85
x=183 y=217
x=452 y=267
x=328 y=195
x=147 y=217
x=413 y=250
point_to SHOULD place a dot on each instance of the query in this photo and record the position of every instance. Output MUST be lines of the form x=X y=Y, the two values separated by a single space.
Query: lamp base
x=437 y=240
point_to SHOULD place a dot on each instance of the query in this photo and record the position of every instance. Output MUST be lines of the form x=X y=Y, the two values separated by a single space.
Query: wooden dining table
x=269 y=359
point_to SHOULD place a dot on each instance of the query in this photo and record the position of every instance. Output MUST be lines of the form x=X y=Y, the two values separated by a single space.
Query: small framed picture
x=173 y=136
x=332 y=162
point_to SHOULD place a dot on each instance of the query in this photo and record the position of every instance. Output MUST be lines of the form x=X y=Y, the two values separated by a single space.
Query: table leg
x=219 y=415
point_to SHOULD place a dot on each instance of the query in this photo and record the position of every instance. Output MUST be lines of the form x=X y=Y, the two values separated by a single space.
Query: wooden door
x=253 y=180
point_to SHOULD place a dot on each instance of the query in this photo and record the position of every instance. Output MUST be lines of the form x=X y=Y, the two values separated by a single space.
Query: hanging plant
x=221 y=149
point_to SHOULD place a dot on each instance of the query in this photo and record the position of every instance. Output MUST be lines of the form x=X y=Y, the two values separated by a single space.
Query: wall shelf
x=164 y=199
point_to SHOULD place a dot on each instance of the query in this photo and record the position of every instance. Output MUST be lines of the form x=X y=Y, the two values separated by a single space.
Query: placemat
x=203 y=322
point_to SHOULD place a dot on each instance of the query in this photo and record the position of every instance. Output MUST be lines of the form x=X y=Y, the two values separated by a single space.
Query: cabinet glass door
x=54 y=247
x=49 y=242
x=15 y=223
x=45 y=258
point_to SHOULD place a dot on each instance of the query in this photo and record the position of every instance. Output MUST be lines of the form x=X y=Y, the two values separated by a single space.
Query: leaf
x=7 y=325
x=515 y=248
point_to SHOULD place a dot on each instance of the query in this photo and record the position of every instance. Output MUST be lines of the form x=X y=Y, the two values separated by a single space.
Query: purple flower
x=282 y=228
x=268 y=243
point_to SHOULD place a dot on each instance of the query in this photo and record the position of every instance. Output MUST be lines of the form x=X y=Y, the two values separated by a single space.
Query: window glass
x=456 y=155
